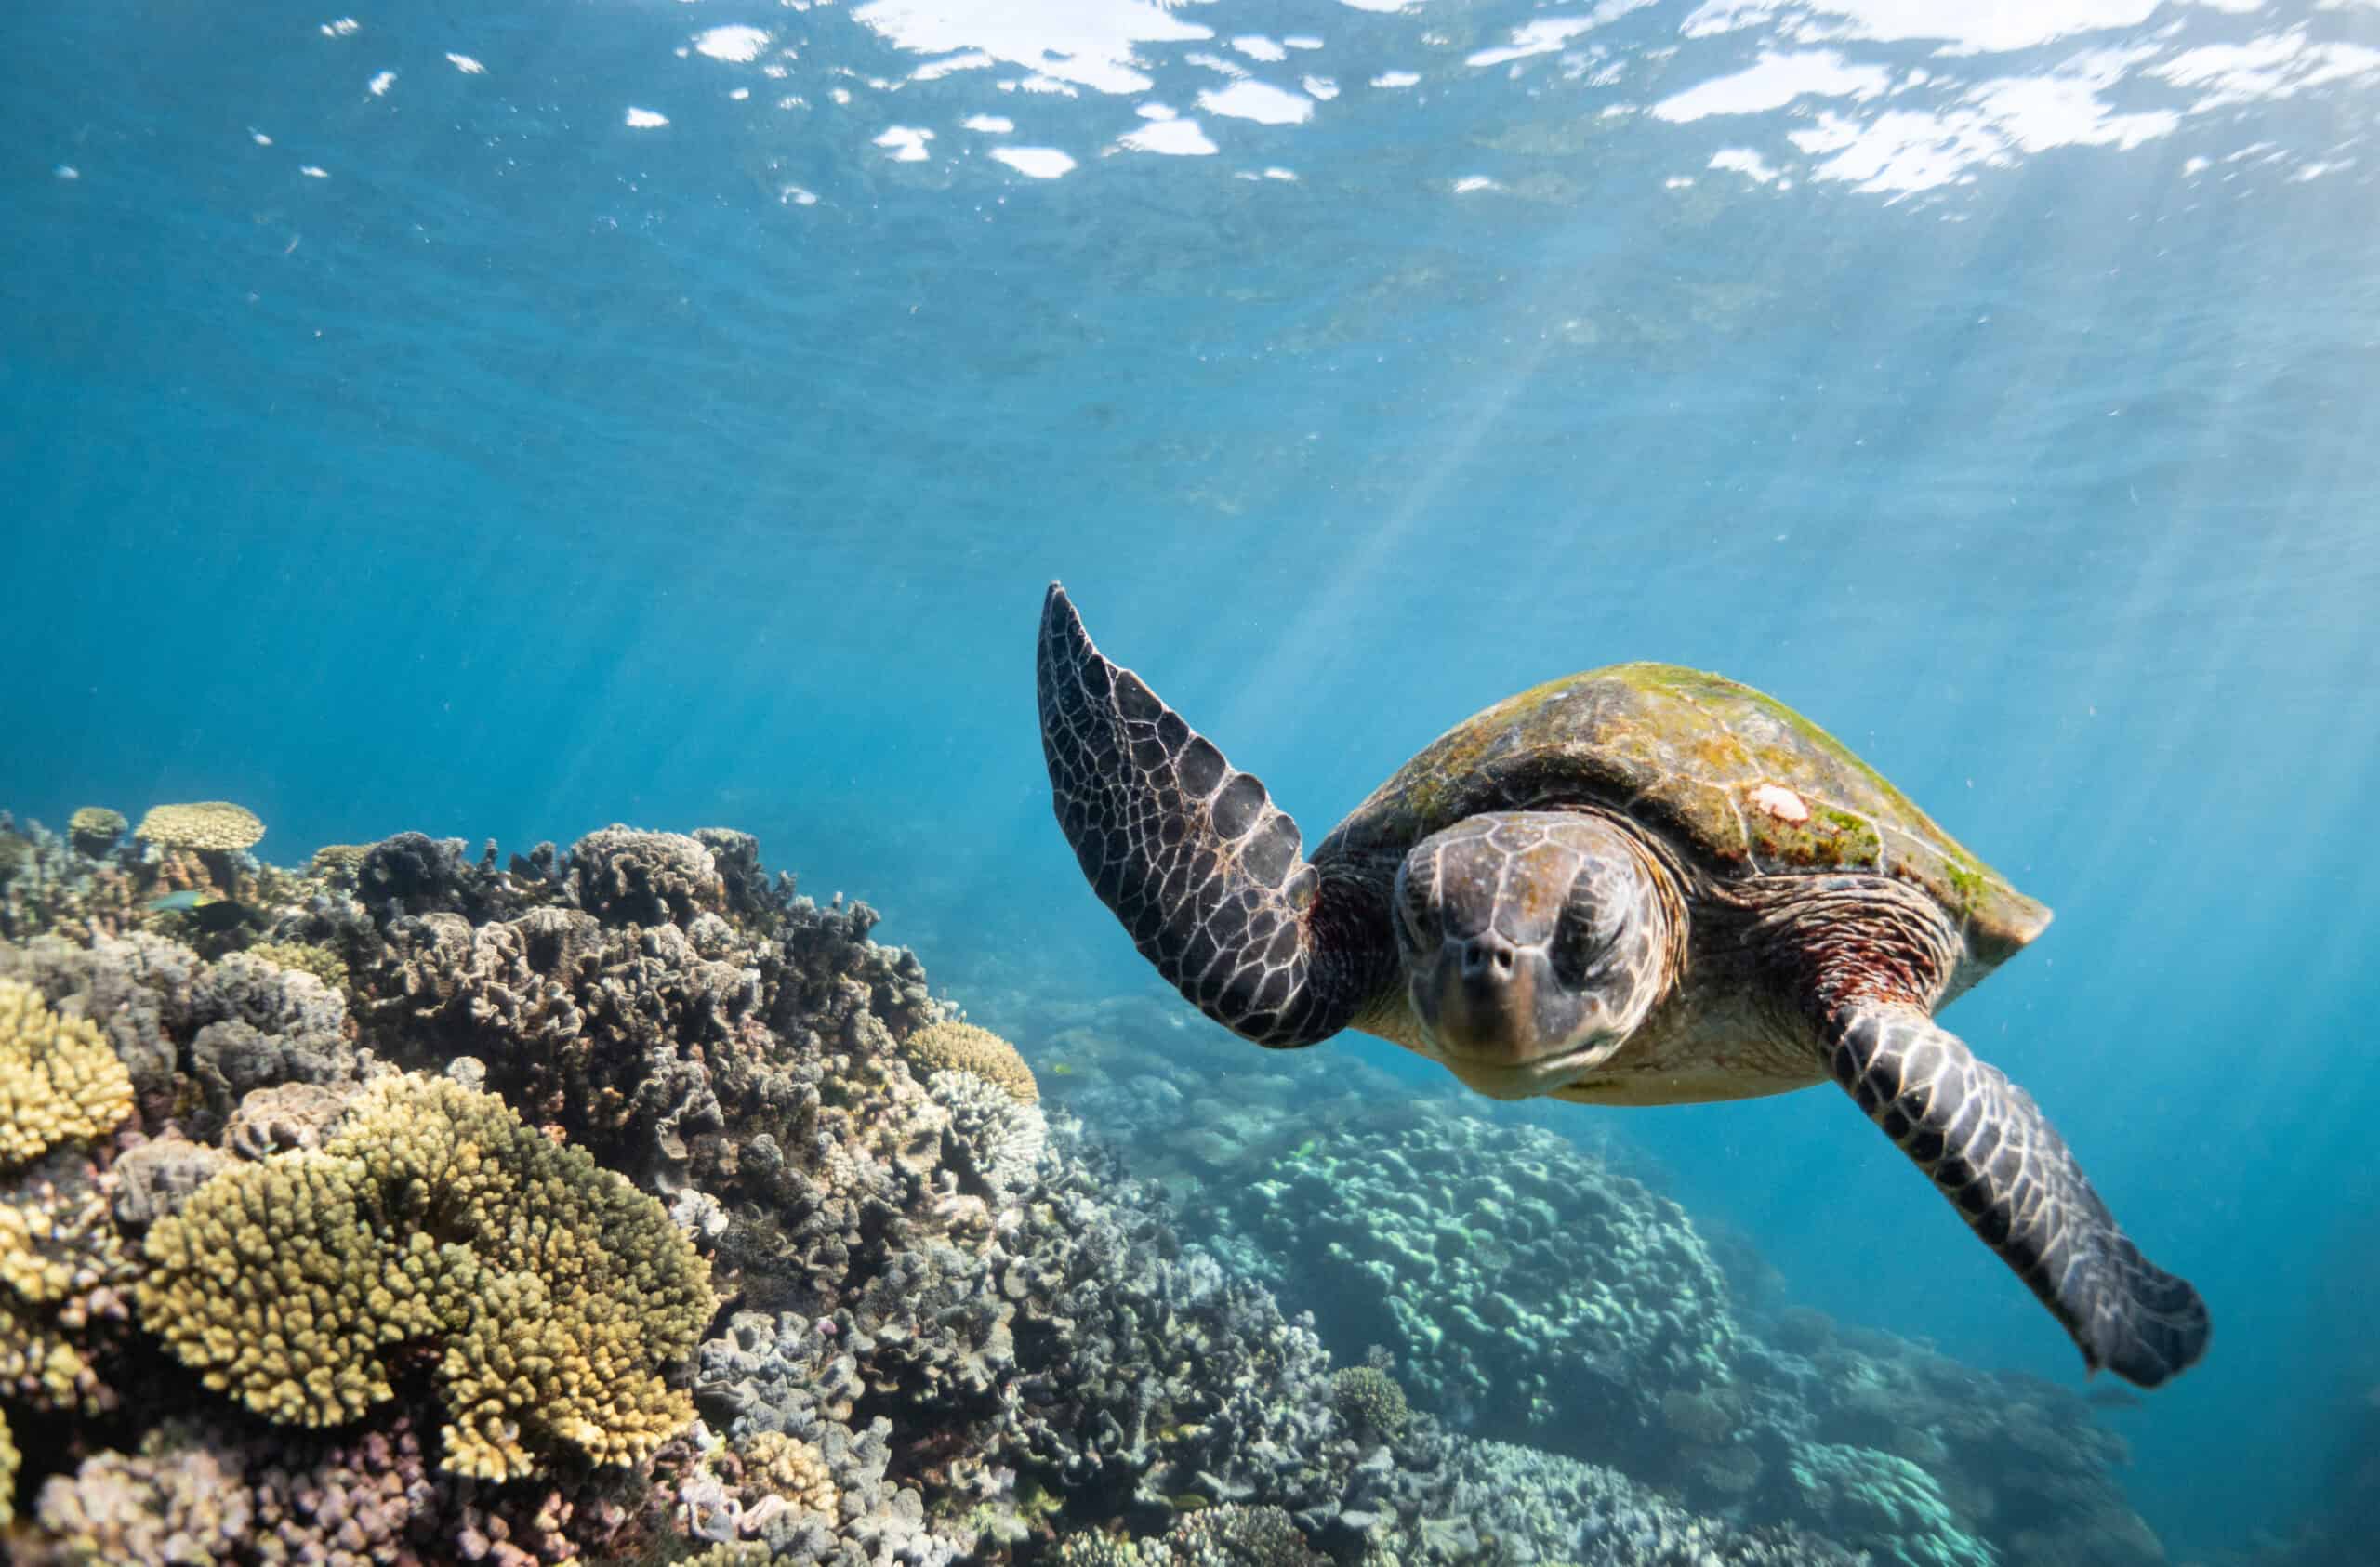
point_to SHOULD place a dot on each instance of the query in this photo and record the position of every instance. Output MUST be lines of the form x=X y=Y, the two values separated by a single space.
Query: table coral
x=214 y=825
x=555 y=1294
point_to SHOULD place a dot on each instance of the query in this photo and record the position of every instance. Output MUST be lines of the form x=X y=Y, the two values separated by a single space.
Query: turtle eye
x=1584 y=935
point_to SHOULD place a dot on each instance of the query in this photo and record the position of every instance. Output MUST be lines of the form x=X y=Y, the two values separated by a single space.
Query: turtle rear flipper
x=1990 y=1149
x=1191 y=854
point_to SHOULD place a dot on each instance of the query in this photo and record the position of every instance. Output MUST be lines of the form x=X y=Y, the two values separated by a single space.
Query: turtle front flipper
x=1990 y=1149
x=1191 y=854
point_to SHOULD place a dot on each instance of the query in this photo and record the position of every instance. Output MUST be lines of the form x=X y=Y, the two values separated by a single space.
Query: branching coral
x=555 y=1294
x=58 y=1081
x=60 y=1263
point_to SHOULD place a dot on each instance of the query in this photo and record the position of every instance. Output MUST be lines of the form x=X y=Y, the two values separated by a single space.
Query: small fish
x=211 y=910
x=2113 y=1396
x=1060 y=1069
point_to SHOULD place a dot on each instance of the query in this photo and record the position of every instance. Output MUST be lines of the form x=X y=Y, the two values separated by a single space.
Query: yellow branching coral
x=9 y=1458
x=554 y=1293
x=207 y=824
x=58 y=1081
x=965 y=1047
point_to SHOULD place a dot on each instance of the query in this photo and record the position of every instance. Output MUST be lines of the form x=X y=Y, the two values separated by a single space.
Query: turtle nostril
x=1483 y=955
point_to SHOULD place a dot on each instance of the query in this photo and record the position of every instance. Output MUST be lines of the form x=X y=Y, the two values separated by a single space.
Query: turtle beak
x=1486 y=1004
x=1484 y=989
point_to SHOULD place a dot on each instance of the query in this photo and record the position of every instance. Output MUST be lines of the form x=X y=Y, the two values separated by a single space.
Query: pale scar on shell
x=1780 y=802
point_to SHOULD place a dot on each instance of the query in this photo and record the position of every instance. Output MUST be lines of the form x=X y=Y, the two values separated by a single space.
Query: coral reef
x=618 y=1204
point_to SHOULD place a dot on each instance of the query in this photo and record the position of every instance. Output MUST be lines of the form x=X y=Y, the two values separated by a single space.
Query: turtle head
x=1534 y=943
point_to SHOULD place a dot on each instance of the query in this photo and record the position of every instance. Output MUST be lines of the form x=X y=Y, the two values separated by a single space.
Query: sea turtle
x=1639 y=885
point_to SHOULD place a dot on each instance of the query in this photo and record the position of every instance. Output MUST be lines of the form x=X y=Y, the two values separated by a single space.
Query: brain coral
x=59 y=1080
x=216 y=825
x=554 y=1294
x=965 y=1047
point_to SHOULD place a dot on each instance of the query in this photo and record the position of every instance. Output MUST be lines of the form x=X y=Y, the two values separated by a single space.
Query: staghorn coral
x=554 y=1293
x=964 y=1047
x=216 y=826
x=58 y=1081
x=93 y=829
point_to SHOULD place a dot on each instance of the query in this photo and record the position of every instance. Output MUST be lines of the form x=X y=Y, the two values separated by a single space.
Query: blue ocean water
x=506 y=421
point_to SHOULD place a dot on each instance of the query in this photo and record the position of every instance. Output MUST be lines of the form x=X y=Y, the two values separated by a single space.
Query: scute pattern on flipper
x=1191 y=854
x=1988 y=1148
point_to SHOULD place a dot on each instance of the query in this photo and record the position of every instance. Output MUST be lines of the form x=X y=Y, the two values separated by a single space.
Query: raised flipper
x=1990 y=1149
x=1192 y=856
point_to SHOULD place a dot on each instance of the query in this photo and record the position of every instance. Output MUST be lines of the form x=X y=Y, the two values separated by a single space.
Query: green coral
x=553 y=1293
x=58 y=1081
